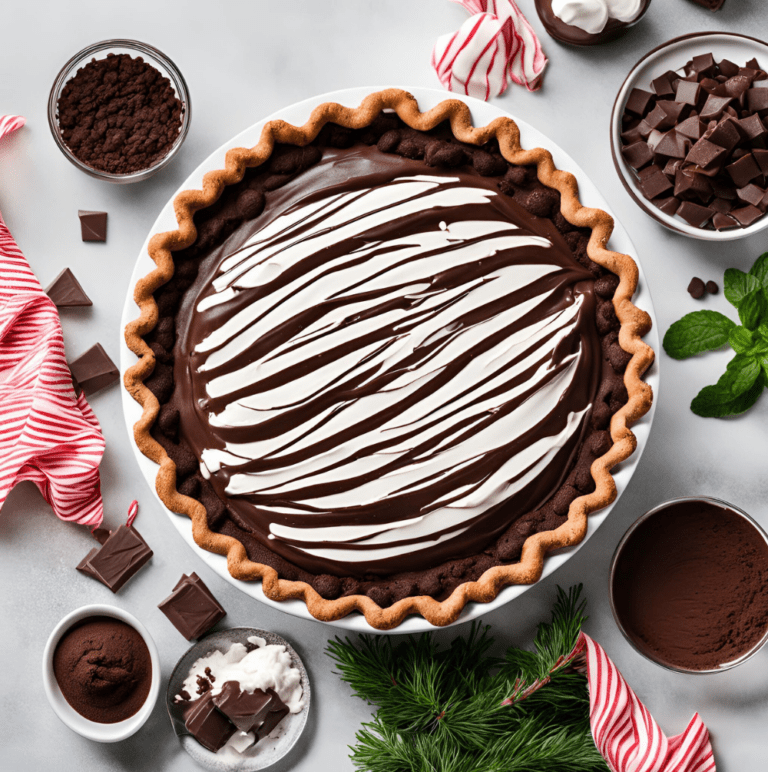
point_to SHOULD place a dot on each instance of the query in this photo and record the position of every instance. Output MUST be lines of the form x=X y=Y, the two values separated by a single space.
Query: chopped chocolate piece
x=663 y=87
x=728 y=68
x=721 y=205
x=749 y=72
x=94 y=370
x=712 y=287
x=209 y=726
x=702 y=65
x=689 y=183
x=743 y=171
x=723 y=222
x=192 y=608
x=668 y=205
x=639 y=102
x=246 y=710
x=736 y=87
x=644 y=128
x=712 y=86
x=753 y=64
x=696 y=288
x=705 y=154
x=691 y=128
x=761 y=157
x=746 y=215
x=123 y=553
x=722 y=187
x=674 y=110
x=674 y=146
x=672 y=166
x=714 y=107
x=696 y=215
x=637 y=155
x=655 y=184
x=659 y=119
x=278 y=711
x=688 y=92
x=752 y=127
x=757 y=99
x=65 y=291
x=93 y=225
x=725 y=135
x=751 y=194
x=631 y=136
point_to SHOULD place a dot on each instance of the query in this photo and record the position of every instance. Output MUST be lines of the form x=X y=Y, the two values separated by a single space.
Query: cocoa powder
x=119 y=114
x=690 y=585
x=103 y=668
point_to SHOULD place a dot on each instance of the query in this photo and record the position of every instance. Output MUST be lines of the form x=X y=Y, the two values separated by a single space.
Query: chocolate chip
x=540 y=202
x=380 y=595
x=389 y=141
x=327 y=586
x=488 y=164
x=606 y=286
x=446 y=154
x=696 y=288
x=712 y=287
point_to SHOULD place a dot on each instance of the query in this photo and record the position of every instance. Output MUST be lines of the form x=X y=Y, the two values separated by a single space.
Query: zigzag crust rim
x=635 y=323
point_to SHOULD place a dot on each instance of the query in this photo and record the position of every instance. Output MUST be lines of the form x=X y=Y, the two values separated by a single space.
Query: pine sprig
x=458 y=709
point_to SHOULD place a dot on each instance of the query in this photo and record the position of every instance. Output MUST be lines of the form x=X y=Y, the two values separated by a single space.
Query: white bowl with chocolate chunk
x=689 y=135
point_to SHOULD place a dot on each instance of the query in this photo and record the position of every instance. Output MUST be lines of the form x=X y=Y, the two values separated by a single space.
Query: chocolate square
x=688 y=92
x=278 y=711
x=637 y=155
x=662 y=87
x=746 y=215
x=728 y=68
x=725 y=135
x=673 y=145
x=668 y=205
x=714 y=107
x=706 y=154
x=94 y=370
x=120 y=557
x=751 y=194
x=757 y=99
x=691 y=127
x=208 y=725
x=655 y=185
x=93 y=225
x=761 y=158
x=752 y=127
x=65 y=291
x=743 y=171
x=246 y=710
x=192 y=608
x=696 y=215
x=639 y=101
x=723 y=221
x=659 y=119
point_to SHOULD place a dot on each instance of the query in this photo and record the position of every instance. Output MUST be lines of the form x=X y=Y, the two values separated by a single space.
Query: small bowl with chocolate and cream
x=239 y=699
x=101 y=673
x=589 y=22
x=689 y=135
x=687 y=585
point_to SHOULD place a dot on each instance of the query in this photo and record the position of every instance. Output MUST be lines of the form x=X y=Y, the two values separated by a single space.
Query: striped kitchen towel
x=495 y=45
x=625 y=732
x=47 y=434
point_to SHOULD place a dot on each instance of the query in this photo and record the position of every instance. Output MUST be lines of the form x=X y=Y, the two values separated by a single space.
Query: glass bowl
x=646 y=651
x=133 y=48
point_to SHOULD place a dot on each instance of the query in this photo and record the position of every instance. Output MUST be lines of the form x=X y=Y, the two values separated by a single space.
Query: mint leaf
x=737 y=285
x=760 y=269
x=718 y=401
x=741 y=340
x=696 y=332
x=753 y=309
x=740 y=375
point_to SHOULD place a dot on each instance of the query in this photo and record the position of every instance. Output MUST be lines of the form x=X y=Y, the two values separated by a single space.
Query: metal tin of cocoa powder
x=689 y=585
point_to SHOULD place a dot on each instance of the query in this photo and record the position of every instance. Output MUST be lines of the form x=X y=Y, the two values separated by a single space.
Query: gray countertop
x=242 y=61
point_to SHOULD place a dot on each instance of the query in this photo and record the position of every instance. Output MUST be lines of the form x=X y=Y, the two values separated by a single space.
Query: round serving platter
x=298 y=114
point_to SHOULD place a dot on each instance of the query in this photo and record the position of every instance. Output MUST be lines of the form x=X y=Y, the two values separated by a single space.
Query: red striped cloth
x=47 y=434
x=495 y=45
x=625 y=732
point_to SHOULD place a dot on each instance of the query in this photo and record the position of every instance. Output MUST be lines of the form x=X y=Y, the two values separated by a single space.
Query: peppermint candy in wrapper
x=492 y=47
x=625 y=733
x=47 y=434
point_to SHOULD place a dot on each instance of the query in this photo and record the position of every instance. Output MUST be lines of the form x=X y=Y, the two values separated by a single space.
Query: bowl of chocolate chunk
x=119 y=110
x=688 y=585
x=101 y=673
x=239 y=699
x=689 y=135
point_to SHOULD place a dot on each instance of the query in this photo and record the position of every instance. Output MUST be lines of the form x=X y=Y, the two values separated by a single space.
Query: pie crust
x=634 y=325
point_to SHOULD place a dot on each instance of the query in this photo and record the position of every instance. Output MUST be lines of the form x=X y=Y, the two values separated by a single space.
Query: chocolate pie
x=380 y=360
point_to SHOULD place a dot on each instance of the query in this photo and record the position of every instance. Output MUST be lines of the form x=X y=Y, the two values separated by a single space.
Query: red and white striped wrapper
x=625 y=732
x=47 y=434
x=495 y=45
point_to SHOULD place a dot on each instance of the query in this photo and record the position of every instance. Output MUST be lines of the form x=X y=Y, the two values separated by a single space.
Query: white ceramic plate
x=673 y=56
x=482 y=114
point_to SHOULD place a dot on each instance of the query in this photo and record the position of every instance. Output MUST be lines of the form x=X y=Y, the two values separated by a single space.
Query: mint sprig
x=746 y=376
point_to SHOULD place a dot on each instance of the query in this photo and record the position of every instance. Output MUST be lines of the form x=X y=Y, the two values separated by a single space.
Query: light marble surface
x=243 y=60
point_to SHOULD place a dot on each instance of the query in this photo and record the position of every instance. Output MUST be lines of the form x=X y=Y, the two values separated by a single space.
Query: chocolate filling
x=338 y=163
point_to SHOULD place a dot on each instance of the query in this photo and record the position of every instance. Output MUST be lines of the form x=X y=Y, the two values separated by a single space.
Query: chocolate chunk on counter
x=208 y=725
x=696 y=288
x=65 y=291
x=192 y=608
x=246 y=710
x=712 y=287
x=119 y=558
x=93 y=225
x=94 y=370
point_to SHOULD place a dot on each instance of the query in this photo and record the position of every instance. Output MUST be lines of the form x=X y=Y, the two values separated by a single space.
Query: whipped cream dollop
x=592 y=15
